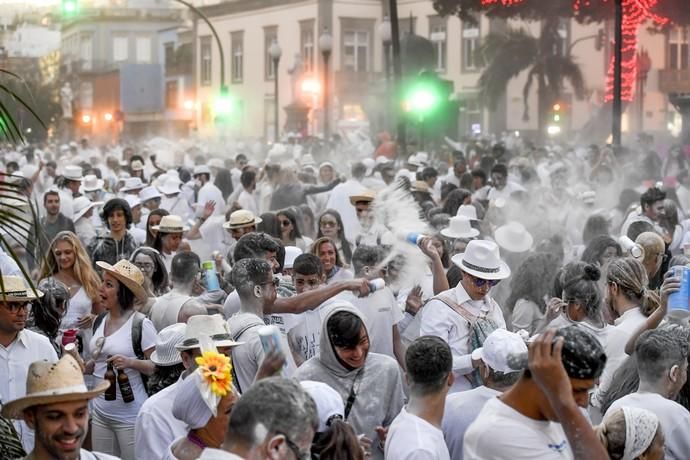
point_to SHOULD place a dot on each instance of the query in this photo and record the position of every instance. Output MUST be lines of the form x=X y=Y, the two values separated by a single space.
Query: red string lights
x=635 y=13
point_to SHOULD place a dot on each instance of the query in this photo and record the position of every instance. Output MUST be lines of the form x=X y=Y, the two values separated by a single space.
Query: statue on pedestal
x=66 y=98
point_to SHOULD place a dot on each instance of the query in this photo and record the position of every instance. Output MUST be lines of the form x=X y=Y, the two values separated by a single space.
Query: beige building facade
x=247 y=29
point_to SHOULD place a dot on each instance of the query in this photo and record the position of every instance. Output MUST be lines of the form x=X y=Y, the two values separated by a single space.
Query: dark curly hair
x=532 y=279
x=596 y=248
x=116 y=204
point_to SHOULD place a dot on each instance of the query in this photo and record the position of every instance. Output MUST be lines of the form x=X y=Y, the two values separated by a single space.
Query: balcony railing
x=674 y=81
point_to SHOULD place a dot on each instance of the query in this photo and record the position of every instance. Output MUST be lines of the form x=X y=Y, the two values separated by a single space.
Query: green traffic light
x=69 y=7
x=224 y=106
x=423 y=98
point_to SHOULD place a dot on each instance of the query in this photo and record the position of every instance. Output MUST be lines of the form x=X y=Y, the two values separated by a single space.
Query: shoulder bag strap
x=236 y=338
x=457 y=308
x=352 y=396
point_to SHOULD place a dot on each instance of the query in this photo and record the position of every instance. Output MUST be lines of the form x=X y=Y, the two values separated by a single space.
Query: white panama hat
x=513 y=237
x=482 y=259
x=165 y=353
x=459 y=227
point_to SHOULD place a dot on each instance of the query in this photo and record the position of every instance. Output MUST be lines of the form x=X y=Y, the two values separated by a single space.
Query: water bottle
x=411 y=237
x=212 y=283
x=678 y=301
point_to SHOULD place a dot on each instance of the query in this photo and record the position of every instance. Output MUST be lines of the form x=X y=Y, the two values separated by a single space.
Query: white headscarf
x=640 y=429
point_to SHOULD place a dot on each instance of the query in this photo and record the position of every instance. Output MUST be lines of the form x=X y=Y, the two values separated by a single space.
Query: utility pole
x=617 y=76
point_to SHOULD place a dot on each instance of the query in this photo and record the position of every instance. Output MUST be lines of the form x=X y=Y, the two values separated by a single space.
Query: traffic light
x=70 y=8
x=426 y=96
x=557 y=114
x=224 y=106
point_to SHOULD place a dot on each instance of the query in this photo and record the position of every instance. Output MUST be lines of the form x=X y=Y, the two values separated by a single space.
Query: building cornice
x=228 y=8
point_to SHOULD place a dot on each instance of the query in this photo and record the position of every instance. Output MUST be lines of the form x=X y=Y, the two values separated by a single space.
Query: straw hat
x=149 y=193
x=50 y=383
x=170 y=224
x=213 y=326
x=513 y=237
x=165 y=353
x=483 y=260
x=91 y=183
x=128 y=274
x=82 y=205
x=459 y=227
x=420 y=186
x=242 y=218
x=366 y=195
x=132 y=184
x=16 y=290
x=468 y=211
x=72 y=172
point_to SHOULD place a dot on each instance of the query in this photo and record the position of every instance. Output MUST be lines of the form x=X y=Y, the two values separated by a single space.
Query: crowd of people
x=492 y=300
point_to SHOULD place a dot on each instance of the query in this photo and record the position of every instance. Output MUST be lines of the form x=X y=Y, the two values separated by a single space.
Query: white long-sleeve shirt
x=440 y=320
x=156 y=428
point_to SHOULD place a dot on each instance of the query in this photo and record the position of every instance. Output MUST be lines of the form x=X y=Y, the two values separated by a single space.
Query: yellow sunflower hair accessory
x=216 y=372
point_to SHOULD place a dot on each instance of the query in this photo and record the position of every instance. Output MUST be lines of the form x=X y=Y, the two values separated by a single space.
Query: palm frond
x=505 y=55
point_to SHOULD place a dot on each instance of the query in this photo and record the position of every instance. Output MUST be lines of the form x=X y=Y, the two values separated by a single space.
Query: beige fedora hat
x=213 y=326
x=242 y=218
x=50 y=383
x=128 y=274
x=15 y=290
x=171 y=224
x=367 y=196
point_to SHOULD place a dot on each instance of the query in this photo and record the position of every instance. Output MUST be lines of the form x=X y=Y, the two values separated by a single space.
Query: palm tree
x=14 y=220
x=505 y=55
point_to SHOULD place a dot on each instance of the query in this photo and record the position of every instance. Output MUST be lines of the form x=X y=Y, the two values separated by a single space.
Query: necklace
x=196 y=440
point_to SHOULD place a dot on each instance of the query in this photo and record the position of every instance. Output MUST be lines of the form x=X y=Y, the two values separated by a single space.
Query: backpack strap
x=97 y=322
x=236 y=338
x=457 y=308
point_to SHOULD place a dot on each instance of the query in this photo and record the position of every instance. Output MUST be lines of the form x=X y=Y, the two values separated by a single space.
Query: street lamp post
x=386 y=37
x=275 y=53
x=326 y=46
x=617 y=75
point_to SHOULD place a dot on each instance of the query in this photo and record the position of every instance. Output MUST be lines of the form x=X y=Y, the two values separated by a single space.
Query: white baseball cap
x=498 y=346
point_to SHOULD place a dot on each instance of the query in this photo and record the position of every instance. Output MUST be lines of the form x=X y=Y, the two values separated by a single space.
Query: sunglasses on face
x=478 y=282
x=285 y=223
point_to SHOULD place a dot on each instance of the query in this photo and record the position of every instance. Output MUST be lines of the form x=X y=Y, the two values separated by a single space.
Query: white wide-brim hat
x=91 y=183
x=513 y=237
x=165 y=353
x=459 y=227
x=149 y=193
x=132 y=183
x=82 y=205
x=482 y=260
x=171 y=186
x=73 y=172
x=468 y=211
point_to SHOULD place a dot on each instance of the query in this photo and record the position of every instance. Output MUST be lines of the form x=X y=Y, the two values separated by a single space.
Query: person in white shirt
x=541 y=417
x=380 y=309
x=662 y=365
x=247 y=198
x=651 y=210
x=629 y=301
x=454 y=314
x=453 y=176
x=416 y=432
x=464 y=407
x=72 y=177
x=56 y=406
x=156 y=427
x=19 y=347
x=502 y=187
x=207 y=191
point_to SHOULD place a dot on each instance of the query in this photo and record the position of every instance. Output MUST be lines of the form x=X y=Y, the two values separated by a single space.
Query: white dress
x=79 y=306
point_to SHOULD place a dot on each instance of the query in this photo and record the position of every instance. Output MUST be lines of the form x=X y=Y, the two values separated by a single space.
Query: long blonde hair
x=83 y=270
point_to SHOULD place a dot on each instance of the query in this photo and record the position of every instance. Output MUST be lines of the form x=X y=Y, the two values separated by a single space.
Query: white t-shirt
x=120 y=343
x=210 y=192
x=461 y=410
x=413 y=438
x=502 y=433
x=305 y=336
x=674 y=419
x=156 y=428
x=381 y=313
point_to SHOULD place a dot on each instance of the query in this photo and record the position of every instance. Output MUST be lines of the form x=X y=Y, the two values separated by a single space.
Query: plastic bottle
x=212 y=283
x=632 y=248
x=678 y=301
x=125 y=386
x=411 y=237
x=111 y=392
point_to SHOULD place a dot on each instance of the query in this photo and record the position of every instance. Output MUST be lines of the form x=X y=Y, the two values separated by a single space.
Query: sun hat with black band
x=213 y=326
x=15 y=290
x=170 y=224
x=50 y=383
x=482 y=260
x=128 y=274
